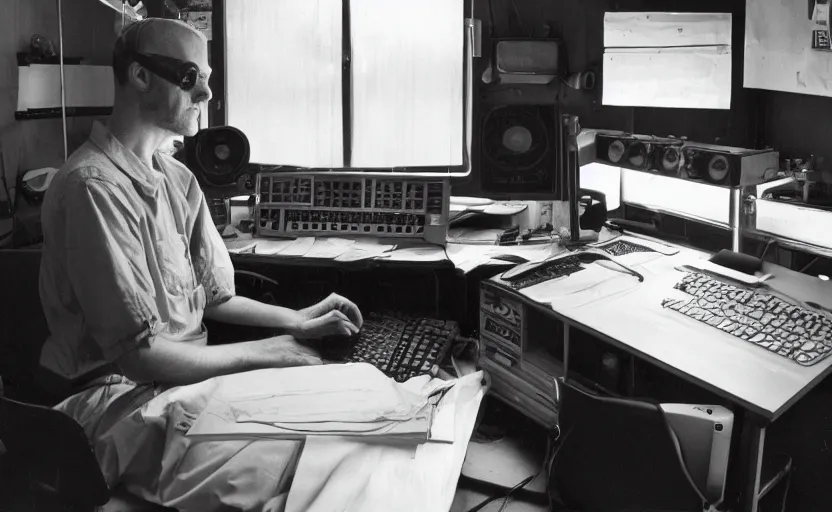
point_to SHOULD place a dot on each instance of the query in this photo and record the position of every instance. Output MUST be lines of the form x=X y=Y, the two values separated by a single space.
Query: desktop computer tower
x=704 y=433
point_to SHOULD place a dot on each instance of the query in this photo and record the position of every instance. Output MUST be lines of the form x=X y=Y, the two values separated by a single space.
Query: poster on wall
x=793 y=57
x=667 y=59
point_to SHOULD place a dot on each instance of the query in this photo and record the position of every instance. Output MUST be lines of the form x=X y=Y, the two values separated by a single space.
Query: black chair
x=46 y=462
x=618 y=455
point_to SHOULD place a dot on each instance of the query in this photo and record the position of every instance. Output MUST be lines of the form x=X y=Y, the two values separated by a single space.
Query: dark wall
x=799 y=125
x=580 y=25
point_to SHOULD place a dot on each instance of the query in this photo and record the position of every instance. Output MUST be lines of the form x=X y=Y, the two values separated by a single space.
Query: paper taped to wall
x=655 y=59
x=780 y=57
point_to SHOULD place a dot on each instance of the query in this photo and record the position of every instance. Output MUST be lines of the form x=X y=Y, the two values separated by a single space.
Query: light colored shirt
x=130 y=254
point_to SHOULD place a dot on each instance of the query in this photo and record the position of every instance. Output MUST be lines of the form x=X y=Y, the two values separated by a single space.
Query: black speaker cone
x=515 y=140
x=221 y=155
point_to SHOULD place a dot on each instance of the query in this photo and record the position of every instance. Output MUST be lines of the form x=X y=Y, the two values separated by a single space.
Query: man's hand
x=333 y=316
x=288 y=352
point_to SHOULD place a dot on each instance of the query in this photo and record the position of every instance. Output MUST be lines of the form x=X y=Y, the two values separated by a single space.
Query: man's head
x=161 y=68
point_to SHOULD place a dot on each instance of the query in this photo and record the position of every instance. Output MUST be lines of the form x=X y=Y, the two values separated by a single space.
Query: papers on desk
x=339 y=473
x=340 y=399
x=339 y=249
x=468 y=257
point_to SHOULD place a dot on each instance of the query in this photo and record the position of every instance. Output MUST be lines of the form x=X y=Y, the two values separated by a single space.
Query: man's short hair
x=128 y=44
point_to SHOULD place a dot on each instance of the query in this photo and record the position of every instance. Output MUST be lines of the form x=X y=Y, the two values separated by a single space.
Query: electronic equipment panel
x=522 y=369
x=299 y=204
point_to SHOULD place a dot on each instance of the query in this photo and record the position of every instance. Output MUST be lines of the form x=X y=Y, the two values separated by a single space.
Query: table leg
x=754 y=437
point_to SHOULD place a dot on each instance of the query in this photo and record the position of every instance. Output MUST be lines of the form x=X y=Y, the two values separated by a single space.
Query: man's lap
x=138 y=434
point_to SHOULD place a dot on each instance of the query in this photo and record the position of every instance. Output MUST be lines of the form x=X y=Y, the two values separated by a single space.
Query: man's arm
x=244 y=311
x=177 y=364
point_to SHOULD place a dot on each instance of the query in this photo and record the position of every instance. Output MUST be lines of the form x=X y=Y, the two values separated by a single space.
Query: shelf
x=55 y=113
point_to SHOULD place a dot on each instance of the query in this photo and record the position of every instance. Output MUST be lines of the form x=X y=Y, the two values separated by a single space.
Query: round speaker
x=221 y=154
x=637 y=155
x=616 y=151
x=515 y=140
x=718 y=168
x=671 y=160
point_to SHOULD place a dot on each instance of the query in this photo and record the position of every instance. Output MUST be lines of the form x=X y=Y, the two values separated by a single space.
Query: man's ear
x=139 y=77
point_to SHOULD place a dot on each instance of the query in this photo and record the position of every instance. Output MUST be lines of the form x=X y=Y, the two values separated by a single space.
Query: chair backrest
x=23 y=328
x=618 y=455
x=47 y=460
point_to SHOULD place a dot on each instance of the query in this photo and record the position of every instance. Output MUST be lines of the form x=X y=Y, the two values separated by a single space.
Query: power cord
x=552 y=447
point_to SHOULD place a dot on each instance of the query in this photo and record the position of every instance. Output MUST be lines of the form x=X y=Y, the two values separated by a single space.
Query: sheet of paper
x=407 y=87
x=782 y=58
x=678 y=60
x=329 y=248
x=271 y=246
x=655 y=29
x=288 y=105
x=298 y=247
x=365 y=248
x=429 y=253
x=342 y=474
x=668 y=77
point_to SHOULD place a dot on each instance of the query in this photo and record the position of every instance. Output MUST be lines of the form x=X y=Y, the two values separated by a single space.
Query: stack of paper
x=342 y=400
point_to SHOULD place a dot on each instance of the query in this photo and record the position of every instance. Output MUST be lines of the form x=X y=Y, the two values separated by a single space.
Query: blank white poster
x=657 y=29
x=668 y=77
x=283 y=79
x=778 y=49
x=672 y=60
x=407 y=82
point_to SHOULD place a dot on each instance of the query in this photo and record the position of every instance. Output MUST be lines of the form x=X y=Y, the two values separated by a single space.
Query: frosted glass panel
x=407 y=80
x=690 y=199
x=283 y=78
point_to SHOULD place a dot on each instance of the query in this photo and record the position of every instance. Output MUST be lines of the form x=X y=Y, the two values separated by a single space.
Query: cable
x=520 y=19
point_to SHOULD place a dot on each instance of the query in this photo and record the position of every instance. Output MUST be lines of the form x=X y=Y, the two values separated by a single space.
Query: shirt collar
x=146 y=178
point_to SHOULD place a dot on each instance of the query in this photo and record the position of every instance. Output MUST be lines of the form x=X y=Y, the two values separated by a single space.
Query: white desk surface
x=632 y=317
x=464 y=257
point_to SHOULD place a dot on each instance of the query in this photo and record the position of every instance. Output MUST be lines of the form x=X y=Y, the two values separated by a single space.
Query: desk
x=631 y=318
x=382 y=252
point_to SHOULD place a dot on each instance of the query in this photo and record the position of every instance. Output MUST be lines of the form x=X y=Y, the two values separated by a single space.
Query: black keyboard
x=400 y=346
x=757 y=317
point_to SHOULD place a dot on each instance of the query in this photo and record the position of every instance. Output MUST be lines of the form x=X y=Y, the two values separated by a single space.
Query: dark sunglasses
x=180 y=73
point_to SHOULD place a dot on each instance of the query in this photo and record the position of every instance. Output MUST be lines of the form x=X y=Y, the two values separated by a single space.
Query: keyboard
x=623 y=247
x=757 y=317
x=401 y=346
x=552 y=269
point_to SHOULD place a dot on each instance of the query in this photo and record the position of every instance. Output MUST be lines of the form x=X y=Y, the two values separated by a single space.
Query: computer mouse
x=511 y=258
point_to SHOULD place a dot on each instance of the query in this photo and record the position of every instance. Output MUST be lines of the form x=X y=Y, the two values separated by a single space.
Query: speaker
x=718 y=165
x=641 y=153
x=727 y=166
x=518 y=152
x=219 y=157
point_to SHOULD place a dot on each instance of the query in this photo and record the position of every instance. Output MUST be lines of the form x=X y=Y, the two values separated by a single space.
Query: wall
x=88 y=33
x=579 y=23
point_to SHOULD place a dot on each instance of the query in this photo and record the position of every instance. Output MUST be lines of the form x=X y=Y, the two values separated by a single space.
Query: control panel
x=299 y=204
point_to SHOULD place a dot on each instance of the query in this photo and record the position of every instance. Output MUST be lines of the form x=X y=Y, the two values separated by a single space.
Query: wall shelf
x=55 y=113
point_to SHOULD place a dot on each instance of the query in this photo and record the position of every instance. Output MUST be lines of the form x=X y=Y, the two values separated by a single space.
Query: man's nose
x=202 y=92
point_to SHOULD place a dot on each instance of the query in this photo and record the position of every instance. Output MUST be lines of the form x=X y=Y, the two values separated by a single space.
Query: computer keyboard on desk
x=400 y=346
x=786 y=329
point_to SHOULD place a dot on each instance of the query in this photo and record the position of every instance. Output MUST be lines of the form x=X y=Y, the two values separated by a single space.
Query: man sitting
x=131 y=263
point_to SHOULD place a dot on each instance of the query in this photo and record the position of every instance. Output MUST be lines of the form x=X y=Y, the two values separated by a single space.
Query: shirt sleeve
x=212 y=263
x=107 y=267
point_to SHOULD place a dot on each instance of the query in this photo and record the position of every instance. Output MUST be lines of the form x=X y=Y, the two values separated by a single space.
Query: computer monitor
x=358 y=86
